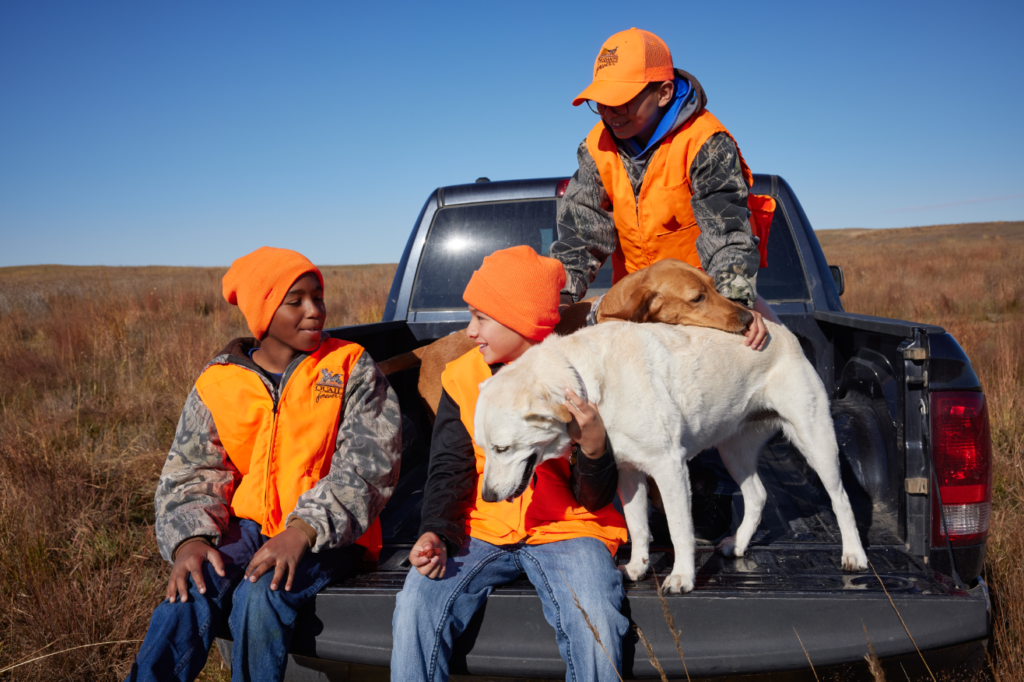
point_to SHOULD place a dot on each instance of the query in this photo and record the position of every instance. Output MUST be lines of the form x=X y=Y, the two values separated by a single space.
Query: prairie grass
x=96 y=363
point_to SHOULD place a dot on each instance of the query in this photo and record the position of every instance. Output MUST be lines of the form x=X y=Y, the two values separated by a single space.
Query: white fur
x=666 y=393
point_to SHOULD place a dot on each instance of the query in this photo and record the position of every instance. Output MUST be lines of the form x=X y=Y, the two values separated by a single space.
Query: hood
x=239 y=347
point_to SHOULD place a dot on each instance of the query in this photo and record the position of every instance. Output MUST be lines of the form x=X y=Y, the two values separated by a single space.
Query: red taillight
x=962 y=451
x=562 y=186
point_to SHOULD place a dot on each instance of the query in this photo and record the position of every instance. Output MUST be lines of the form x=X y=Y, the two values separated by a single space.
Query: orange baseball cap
x=627 y=62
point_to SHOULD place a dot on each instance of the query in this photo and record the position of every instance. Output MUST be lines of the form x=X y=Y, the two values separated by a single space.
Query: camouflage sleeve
x=586 y=230
x=196 y=483
x=364 y=469
x=726 y=245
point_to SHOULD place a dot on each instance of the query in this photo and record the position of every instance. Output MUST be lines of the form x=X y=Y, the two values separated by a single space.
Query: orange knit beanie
x=519 y=289
x=259 y=281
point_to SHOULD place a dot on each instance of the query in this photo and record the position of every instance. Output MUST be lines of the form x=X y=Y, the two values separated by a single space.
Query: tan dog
x=669 y=291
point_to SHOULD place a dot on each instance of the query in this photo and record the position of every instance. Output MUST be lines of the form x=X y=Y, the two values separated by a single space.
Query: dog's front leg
x=633 y=493
x=673 y=480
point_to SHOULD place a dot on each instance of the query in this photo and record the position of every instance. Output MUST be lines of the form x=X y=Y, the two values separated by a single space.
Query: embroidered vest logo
x=606 y=58
x=329 y=385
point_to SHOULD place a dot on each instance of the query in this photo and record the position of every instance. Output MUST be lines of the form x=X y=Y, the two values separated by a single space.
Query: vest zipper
x=276 y=396
x=270 y=455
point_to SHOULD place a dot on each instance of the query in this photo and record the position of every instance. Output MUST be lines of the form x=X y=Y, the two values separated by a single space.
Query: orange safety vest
x=547 y=511
x=282 y=453
x=664 y=225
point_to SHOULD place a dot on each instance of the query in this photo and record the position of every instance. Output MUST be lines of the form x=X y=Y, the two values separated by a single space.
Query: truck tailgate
x=743 y=616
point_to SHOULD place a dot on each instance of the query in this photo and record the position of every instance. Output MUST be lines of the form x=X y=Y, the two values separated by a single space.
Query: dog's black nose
x=488 y=496
x=746 y=318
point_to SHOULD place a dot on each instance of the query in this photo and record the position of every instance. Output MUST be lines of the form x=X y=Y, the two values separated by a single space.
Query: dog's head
x=673 y=292
x=518 y=424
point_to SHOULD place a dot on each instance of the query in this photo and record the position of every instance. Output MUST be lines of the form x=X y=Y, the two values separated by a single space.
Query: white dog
x=666 y=393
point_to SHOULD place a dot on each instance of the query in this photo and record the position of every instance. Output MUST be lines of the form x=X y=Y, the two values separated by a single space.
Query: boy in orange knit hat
x=287 y=449
x=468 y=546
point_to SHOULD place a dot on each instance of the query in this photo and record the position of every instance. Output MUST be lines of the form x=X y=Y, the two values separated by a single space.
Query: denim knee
x=412 y=602
x=259 y=605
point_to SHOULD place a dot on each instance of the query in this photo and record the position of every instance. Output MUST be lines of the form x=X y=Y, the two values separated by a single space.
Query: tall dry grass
x=969 y=279
x=95 y=364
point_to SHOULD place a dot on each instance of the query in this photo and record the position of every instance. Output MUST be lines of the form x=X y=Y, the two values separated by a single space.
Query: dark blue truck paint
x=745 y=615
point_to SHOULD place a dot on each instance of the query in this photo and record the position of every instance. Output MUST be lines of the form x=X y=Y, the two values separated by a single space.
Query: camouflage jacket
x=726 y=246
x=198 y=478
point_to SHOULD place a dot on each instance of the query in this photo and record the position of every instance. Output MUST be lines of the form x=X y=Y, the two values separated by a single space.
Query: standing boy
x=287 y=450
x=660 y=177
x=561 y=532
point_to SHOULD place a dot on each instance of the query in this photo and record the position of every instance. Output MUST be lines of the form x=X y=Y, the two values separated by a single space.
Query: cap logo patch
x=606 y=58
x=330 y=385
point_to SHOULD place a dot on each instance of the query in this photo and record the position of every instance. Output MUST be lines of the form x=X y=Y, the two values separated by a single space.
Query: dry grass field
x=96 y=363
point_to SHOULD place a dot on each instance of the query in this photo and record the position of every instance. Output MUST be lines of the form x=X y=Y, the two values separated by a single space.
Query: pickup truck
x=912 y=426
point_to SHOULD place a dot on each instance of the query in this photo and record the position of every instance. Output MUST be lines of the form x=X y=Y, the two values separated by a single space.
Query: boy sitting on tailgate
x=562 y=532
x=287 y=450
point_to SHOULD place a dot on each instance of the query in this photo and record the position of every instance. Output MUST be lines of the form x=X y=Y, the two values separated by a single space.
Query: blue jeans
x=260 y=620
x=430 y=614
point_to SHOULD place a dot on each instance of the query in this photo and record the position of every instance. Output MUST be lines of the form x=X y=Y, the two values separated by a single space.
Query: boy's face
x=299 y=319
x=495 y=341
x=640 y=116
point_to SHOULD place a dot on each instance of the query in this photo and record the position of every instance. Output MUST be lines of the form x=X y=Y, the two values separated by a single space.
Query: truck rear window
x=461 y=236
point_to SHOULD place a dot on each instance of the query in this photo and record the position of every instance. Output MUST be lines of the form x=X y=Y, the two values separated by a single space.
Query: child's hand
x=429 y=556
x=586 y=427
x=189 y=561
x=282 y=553
x=756 y=332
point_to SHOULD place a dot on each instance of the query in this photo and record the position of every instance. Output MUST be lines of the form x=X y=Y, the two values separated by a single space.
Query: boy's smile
x=640 y=116
x=495 y=341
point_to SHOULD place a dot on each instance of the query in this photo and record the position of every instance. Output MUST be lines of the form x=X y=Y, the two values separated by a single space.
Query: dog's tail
x=400 y=362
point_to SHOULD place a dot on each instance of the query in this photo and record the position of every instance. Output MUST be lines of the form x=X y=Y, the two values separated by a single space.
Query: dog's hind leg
x=633 y=493
x=673 y=480
x=818 y=444
x=739 y=454
x=809 y=427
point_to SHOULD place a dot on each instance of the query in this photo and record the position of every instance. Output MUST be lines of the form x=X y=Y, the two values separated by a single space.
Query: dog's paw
x=855 y=562
x=633 y=571
x=727 y=546
x=676 y=583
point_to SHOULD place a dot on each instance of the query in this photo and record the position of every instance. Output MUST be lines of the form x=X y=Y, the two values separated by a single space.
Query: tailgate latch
x=915 y=354
x=916 y=486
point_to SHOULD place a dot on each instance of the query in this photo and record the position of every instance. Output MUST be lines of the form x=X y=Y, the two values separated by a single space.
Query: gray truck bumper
x=742 y=618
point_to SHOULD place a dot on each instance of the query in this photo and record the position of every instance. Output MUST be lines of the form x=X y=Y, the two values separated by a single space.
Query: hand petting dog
x=757 y=332
x=586 y=428
x=429 y=556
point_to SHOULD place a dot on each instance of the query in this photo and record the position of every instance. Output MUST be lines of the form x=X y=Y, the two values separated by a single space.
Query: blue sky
x=189 y=133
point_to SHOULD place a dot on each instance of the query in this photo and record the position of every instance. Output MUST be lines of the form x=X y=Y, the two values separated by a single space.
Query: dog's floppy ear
x=630 y=307
x=649 y=308
x=547 y=411
x=643 y=305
